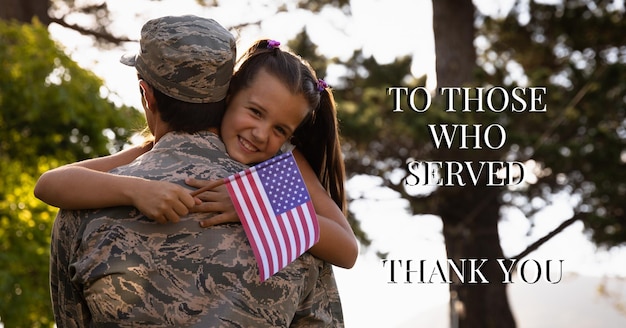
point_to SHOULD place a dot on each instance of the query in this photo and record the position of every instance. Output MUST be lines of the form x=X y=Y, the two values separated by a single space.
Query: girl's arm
x=107 y=163
x=86 y=185
x=337 y=244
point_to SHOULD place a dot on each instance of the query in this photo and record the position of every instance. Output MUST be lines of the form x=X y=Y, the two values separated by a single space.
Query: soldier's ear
x=146 y=94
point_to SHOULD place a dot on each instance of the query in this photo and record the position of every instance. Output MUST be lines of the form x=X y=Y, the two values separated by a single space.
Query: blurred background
x=64 y=97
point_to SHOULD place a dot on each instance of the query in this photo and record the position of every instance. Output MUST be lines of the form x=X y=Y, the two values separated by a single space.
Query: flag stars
x=283 y=184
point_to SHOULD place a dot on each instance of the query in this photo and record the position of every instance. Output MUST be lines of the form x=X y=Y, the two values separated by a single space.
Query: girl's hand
x=214 y=198
x=162 y=201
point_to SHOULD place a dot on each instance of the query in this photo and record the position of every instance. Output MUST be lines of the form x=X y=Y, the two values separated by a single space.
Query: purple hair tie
x=272 y=44
x=321 y=85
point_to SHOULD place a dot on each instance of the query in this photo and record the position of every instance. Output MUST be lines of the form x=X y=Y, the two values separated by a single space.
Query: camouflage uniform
x=116 y=268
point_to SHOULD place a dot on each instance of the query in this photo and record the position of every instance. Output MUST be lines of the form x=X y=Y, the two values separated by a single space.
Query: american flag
x=276 y=212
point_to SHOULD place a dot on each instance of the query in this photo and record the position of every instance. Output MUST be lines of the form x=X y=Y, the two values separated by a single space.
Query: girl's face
x=260 y=118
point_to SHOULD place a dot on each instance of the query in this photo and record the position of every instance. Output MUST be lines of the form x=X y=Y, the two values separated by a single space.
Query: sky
x=385 y=29
x=334 y=34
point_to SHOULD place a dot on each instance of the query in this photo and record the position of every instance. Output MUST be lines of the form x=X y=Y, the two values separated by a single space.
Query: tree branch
x=99 y=35
x=547 y=237
x=117 y=40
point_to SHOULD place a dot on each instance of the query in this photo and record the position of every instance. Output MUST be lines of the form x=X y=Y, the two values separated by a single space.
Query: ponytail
x=318 y=140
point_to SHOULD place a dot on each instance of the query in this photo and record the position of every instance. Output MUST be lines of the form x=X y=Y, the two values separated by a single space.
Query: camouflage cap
x=188 y=58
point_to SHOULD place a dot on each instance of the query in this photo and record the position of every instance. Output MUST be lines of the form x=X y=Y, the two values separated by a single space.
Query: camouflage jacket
x=114 y=267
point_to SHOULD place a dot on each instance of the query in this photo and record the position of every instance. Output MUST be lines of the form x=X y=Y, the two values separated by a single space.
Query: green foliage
x=51 y=104
x=581 y=140
x=25 y=226
x=317 y=6
x=366 y=110
x=52 y=113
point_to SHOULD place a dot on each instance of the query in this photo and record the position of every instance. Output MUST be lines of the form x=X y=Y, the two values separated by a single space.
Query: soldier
x=114 y=266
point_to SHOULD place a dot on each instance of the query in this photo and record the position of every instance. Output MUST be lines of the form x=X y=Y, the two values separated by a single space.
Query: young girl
x=274 y=99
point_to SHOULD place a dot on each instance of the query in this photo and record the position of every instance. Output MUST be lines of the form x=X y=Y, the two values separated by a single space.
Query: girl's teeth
x=247 y=145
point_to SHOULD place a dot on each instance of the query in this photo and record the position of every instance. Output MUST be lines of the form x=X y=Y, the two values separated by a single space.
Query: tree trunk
x=24 y=10
x=473 y=236
x=470 y=214
x=453 y=26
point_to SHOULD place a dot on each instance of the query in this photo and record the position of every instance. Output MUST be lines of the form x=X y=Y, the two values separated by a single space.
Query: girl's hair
x=317 y=137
